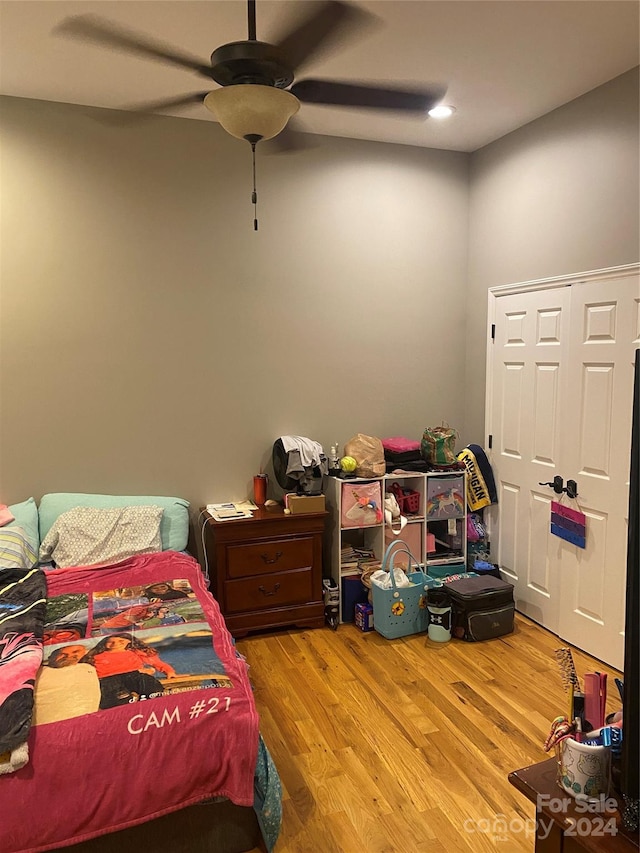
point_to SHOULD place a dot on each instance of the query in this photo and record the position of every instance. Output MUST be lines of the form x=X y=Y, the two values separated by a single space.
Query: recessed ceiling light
x=442 y=111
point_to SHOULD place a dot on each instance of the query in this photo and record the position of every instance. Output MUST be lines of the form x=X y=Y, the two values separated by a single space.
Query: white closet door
x=560 y=380
x=531 y=335
x=596 y=453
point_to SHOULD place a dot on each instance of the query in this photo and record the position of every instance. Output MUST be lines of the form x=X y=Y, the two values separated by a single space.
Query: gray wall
x=556 y=197
x=152 y=342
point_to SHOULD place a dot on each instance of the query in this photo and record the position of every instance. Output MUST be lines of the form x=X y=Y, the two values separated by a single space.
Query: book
x=245 y=505
x=228 y=511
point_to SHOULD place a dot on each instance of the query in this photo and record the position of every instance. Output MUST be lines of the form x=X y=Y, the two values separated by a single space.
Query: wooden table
x=564 y=825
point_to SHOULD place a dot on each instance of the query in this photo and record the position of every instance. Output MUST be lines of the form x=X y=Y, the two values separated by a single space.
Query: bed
x=127 y=719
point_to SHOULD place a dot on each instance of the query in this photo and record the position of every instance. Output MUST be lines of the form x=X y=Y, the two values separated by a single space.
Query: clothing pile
x=300 y=463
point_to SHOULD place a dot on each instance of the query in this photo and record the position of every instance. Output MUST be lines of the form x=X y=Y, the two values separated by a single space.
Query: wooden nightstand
x=266 y=571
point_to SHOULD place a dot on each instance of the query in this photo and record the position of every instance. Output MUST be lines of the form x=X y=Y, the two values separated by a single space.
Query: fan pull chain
x=254 y=194
x=251 y=19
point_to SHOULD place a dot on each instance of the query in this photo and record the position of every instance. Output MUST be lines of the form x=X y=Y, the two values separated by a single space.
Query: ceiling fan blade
x=167 y=103
x=109 y=34
x=328 y=19
x=335 y=93
x=130 y=114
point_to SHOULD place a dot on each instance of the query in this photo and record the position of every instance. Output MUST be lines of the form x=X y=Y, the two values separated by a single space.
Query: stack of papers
x=230 y=511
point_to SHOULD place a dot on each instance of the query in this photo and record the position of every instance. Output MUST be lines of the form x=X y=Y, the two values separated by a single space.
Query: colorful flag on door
x=569 y=524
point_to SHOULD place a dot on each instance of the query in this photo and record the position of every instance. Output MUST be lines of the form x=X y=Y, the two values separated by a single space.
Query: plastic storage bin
x=408 y=499
x=446 y=570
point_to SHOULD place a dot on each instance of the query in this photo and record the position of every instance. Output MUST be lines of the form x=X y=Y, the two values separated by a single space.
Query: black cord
x=254 y=194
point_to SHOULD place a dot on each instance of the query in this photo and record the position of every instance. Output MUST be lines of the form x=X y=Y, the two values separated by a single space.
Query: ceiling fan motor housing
x=250 y=62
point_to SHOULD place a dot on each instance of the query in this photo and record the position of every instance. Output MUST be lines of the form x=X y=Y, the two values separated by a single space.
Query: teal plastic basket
x=446 y=570
x=401 y=611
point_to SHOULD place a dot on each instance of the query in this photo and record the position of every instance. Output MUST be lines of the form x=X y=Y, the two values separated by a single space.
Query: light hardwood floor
x=404 y=746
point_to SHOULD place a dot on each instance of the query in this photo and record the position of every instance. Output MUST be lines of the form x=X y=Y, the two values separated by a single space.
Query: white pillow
x=86 y=536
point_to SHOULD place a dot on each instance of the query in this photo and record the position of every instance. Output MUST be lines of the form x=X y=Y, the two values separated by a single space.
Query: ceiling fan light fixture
x=442 y=111
x=249 y=110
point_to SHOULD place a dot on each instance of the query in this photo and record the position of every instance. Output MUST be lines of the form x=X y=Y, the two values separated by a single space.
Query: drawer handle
x=266 y=558
x=264 y=591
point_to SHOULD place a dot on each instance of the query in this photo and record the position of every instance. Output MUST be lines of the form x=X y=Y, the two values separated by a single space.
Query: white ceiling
x=505 y=62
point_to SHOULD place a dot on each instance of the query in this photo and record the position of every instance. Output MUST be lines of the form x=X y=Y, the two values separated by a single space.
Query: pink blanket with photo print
x=141 y=707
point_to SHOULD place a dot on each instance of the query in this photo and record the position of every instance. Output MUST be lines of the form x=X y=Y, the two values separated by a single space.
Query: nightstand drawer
x=277 y=590
x=274 y=555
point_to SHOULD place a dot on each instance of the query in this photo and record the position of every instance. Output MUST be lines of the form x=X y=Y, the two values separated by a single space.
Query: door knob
x=558 y=485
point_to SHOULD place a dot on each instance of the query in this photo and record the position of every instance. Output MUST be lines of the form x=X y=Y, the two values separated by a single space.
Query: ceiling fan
x=257 y=94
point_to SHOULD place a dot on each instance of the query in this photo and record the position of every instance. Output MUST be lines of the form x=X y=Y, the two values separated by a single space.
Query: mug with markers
x=584 y=771
x=585 y=739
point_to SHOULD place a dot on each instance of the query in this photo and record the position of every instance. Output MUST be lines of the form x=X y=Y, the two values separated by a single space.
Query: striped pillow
x=16 y=552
